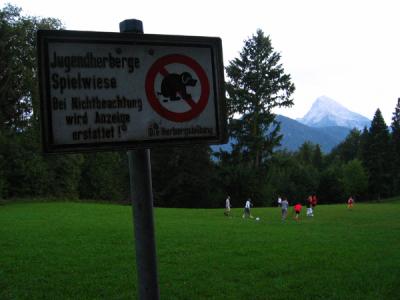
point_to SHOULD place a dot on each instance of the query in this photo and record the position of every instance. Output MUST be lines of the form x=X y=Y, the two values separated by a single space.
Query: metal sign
x=105 y=91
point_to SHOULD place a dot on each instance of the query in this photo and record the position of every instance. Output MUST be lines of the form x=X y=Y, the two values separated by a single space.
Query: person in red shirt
x=297 y=210
x=350 y=202
x=314 y=201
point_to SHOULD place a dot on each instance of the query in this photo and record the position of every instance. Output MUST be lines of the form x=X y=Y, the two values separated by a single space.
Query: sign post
x=103 y=91
x=141 y=192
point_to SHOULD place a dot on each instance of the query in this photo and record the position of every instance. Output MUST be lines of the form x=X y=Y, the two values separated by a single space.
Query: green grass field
x=86 y=251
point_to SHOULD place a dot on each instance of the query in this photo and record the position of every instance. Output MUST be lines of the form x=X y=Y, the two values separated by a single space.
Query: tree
x=183 y=176
x=330 y=189
x=318 y=159
x=364 y=147
x=257 y=84
x=25 y=169
x=281 y=183
x=305 y=153
x=396 y=147
x=290 y=177
x=348 y=149
x=355 y=179
x=3 y=179
x=377 y=157
x=104 y=177
x=18 y=66
x=64 y=175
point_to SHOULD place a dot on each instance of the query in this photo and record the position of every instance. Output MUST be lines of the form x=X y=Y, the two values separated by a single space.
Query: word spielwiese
x=78 y=81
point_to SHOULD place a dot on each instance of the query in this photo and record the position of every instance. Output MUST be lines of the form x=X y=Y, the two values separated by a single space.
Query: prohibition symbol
x=174 y=86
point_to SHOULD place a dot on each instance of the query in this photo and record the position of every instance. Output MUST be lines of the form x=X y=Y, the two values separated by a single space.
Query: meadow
x=68 y=250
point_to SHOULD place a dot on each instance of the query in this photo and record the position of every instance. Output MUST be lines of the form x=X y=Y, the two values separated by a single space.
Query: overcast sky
x=348 y=50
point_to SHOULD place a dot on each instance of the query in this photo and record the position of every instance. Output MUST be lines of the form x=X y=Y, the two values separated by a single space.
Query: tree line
x=365 y=165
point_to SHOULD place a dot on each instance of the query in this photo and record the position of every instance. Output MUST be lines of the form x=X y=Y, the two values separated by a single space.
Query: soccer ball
x=257 y=219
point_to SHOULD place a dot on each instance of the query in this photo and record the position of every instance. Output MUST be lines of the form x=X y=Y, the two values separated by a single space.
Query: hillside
x=295 y=134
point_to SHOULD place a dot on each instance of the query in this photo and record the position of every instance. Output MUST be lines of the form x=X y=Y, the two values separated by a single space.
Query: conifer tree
x=317 y=159
x=257 y=84
x=363 y=145
x=396 y=146
x=349 y=149
x=306 y=153
x=377 y=157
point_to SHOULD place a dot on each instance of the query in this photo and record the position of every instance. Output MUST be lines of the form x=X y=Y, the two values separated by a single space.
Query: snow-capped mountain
x=327 y=112
x=327 y=124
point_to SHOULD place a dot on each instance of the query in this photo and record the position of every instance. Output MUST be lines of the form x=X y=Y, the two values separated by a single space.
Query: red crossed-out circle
x=195 y=107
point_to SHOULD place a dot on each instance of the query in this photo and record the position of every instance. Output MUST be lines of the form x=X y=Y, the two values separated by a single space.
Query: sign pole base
x=142 y=204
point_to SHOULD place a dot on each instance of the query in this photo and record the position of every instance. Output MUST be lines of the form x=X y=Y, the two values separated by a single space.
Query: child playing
x=247 y=207
x=309 y=206
x=313 y=204
x=297 y=210
x=227 y=211
x=284 y=207
x=350 y=203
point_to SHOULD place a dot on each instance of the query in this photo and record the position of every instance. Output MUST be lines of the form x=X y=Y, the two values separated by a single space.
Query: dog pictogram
x=173 y=86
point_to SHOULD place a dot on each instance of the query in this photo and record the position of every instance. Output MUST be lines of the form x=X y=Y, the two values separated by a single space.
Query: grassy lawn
x=86 y=251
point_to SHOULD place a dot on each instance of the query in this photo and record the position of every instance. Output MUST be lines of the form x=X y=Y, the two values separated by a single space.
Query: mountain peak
x=324 y=100
x=327 y=112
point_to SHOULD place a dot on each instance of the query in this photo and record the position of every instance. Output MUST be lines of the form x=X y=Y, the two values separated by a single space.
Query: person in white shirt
x=227 y=211
x=284 y=208
x=247 y=207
